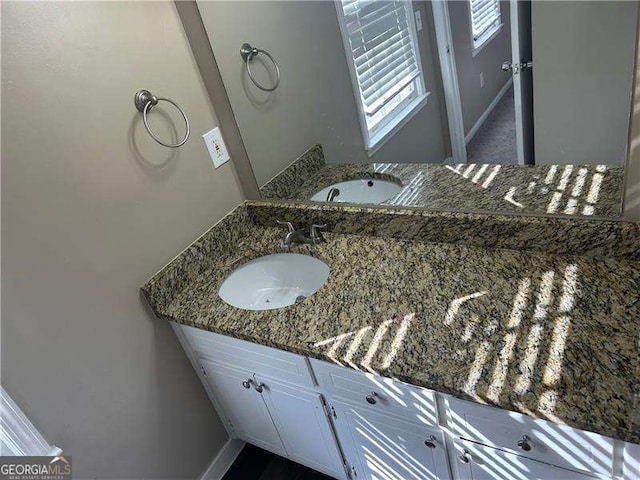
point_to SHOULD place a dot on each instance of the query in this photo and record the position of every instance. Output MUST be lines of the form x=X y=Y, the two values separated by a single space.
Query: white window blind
x=485 y=18
x=382 y=50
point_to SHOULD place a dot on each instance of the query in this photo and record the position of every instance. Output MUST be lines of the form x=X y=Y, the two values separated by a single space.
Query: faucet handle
x=288 y=224
x=316 y=235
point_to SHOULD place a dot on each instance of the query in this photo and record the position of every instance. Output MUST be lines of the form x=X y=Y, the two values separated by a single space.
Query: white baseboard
x=487 y=112
x=223 y=461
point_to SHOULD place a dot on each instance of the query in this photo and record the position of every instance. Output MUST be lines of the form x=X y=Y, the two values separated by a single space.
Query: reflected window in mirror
x=382 y=51
x=536 y=123
x=485 y=22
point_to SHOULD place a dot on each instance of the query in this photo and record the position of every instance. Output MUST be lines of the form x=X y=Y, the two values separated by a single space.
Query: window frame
x=488 y=35
x=374 y=139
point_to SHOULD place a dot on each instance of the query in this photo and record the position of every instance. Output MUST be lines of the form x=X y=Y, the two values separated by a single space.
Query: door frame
x=451 y=87
x=450 y=84
x=517 y=81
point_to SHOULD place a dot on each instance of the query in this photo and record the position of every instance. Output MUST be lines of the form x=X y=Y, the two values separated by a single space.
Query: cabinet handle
x=259 y=387
x=431 y=442
x=371 y=398
x=525 y=443
x=465 y=457
x=247 y=383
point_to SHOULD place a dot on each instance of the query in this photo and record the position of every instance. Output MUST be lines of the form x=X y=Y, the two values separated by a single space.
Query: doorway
x=484 y=48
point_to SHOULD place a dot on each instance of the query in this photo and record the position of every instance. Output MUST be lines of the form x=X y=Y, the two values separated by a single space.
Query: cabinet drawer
x=376 y=393
x=548 y=442
x=254 y=358
x=477 y=462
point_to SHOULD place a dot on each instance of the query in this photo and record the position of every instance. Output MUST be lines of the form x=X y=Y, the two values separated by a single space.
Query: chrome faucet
x=309 y=236
x=332 y=194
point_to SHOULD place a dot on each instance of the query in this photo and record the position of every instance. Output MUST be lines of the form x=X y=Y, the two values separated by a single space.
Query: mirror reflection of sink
x=274 y=281
x=358 y=191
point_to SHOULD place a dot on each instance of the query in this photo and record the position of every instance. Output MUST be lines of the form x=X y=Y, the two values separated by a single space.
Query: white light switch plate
x=216 y=147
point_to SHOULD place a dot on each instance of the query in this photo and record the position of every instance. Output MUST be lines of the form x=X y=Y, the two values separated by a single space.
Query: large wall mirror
x=478 y=105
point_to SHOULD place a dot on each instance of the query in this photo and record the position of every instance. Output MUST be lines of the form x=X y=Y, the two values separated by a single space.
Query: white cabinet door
x=478 y=462
x=303 y=425
x=631 y=462
x=243 y=407
x=386 y=448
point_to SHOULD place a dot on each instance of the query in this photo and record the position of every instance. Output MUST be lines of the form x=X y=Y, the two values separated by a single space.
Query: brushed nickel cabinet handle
x=525 y=443
x=464 y=457
x=431 y=442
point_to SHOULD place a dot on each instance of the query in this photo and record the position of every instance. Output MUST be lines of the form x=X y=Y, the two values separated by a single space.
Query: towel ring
x=247 y=52
x=145 y=101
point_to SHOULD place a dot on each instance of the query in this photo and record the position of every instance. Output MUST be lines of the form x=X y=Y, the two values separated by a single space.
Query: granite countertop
x=591 y=190
x=508 y=188
x=550 y=336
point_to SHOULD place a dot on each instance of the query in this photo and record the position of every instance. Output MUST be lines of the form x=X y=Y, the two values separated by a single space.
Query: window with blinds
x=382 y=51
x=485 y=20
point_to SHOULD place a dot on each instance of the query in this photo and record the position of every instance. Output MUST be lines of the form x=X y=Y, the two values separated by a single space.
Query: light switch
x=216 y=147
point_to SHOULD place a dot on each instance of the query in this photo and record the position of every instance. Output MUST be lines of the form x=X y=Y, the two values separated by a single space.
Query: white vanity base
x=353 y=425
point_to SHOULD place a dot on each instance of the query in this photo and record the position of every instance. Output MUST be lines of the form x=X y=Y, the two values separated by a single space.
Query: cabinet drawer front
x=390 y=396
x=476 y=462
x=249 y=356
x=548 y=442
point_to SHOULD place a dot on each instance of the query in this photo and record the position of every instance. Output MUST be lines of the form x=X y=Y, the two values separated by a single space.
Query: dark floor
x=253 y=463
x=495 y=141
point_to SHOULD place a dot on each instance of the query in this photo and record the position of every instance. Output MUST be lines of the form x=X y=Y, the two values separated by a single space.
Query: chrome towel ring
x=247 y=52
x=144 y=101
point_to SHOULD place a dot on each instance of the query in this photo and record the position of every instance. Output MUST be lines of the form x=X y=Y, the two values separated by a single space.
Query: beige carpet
x=495 y=142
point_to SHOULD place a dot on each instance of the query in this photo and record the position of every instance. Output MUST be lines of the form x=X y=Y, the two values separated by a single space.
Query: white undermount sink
x=359 y=191
x=274 y=281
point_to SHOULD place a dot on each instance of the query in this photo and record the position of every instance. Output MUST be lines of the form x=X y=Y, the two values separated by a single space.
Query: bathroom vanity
x=353 y=424
x=423 y=355
x=361 y=320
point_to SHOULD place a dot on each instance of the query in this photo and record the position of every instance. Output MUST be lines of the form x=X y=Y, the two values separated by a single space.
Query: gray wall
x=315 y=101
x=91 y=208
x=582 y=78
x=475 y=99
x=632 y=169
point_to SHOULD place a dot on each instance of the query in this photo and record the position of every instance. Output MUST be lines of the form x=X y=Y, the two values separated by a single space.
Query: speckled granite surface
x=596 y=238
x=551 y=336
x=292 y=178
x=556 y=189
